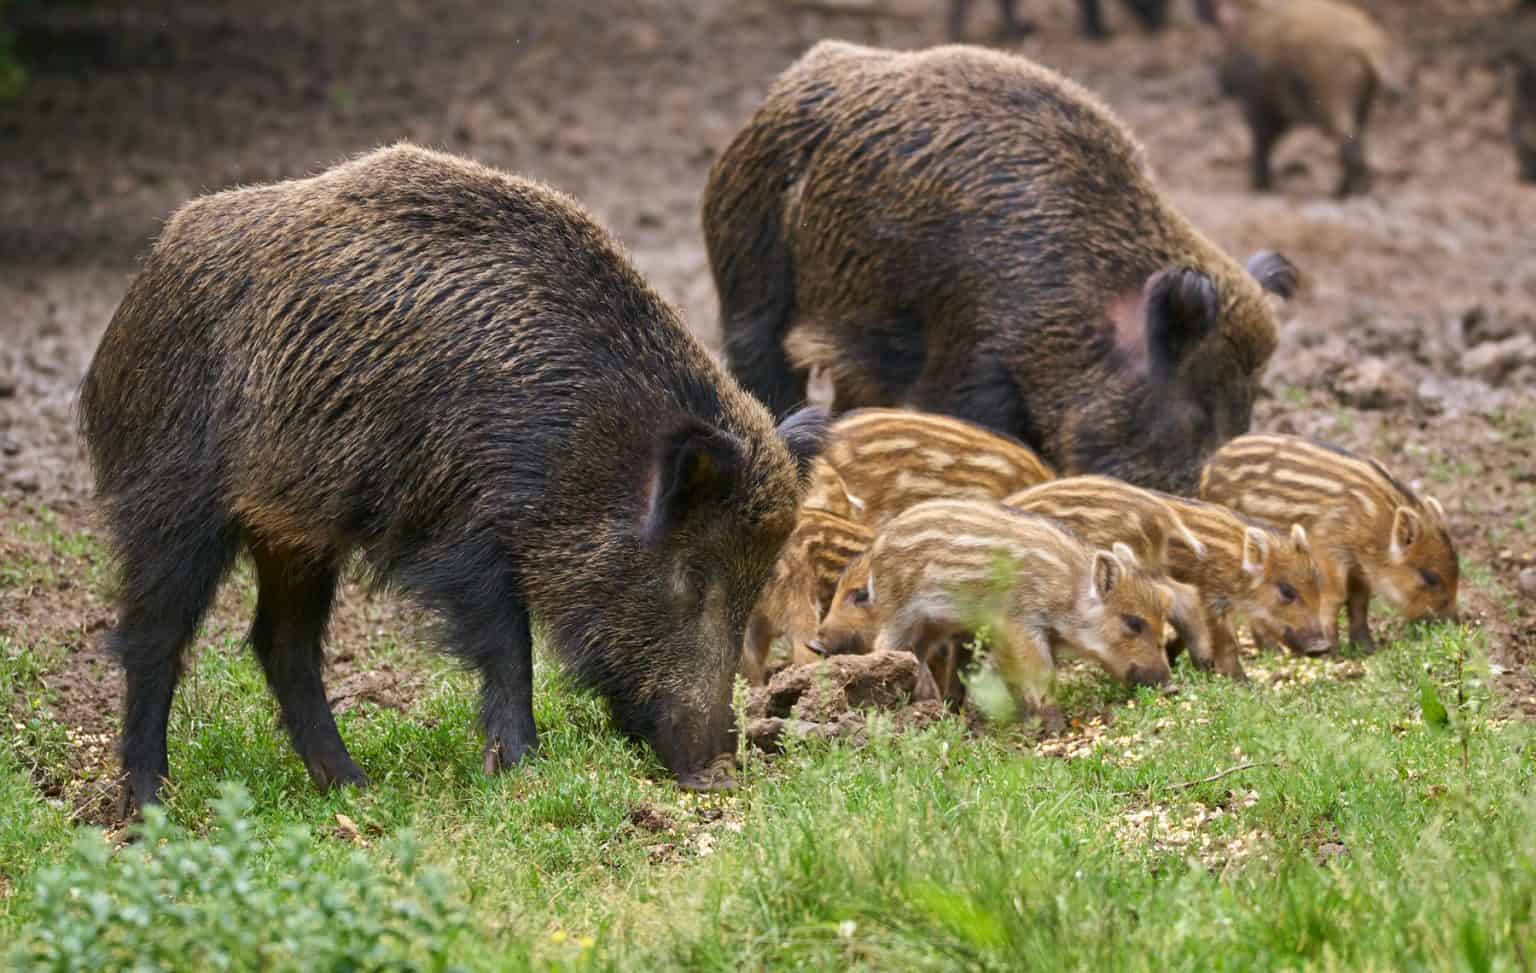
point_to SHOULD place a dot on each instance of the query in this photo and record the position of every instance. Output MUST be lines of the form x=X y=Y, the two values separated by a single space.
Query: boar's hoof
x=330 y=771
x=1363 y=642
x=715 y=777
x=502 y=755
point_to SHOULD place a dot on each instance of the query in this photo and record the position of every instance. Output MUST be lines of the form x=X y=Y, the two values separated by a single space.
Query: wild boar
x=1238 y=567
x=945 y=568
x=963 y=231
x=458 y=374
x=1374 y=535
x=802 y=586
x=1304 y=62
x=886 y=460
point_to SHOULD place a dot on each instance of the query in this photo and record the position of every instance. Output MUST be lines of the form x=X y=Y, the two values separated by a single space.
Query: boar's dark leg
x=1266 y=127
x=1091 y=19
x=1013 y=24
x=1355 y=176
x=957 y=9
x=506 y=691
x=167 y=585
x=1358 y=605
x=472 y=585
x=295 y=591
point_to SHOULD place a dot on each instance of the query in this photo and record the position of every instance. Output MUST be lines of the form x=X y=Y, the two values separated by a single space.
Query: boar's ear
x=804 y=432
x=1255 y=552
x=694 y=464
x=1107 y=570
x=1181 y=308
x=1274 y=273
x=1406 y=528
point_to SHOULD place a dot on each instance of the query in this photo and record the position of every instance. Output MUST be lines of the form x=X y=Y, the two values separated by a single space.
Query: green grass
x=1361 y=836
x=1324 y=820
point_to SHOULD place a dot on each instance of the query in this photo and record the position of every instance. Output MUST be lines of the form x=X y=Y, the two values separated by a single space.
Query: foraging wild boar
x=1373 y=534
x=942 y=568
x=966 y=232
x=1237 y=567
x=801 y=588
x=1152 y=14
x=887 y=460
x=1304 y=62
x=1089 y=507
x=458 y=374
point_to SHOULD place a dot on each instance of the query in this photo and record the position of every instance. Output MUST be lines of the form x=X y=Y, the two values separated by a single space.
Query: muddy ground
x=1414 y=338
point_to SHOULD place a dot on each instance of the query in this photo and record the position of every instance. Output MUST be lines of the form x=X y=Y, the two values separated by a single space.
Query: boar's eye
x=859 y=596
x=1430 y=579
x=1134 y=624
x=1287 y=593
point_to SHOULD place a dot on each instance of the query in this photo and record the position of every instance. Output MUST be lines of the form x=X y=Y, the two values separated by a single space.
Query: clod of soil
x=820 y=693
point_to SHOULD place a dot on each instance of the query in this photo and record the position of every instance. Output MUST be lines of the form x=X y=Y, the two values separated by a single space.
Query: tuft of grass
x=1326 y=816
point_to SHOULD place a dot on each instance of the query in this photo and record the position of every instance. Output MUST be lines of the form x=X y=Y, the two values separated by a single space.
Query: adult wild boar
x=964 y=231
x=458 y=374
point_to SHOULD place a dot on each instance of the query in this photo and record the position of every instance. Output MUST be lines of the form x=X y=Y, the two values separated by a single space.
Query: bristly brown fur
x=1207 y=547
x=886 y=460
x=802 y=587
x=942 y=568
x=966 y=232
x=1372 y=533
x=457 y=373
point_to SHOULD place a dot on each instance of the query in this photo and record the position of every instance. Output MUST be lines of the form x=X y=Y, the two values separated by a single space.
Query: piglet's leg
x=1358 y=605
x=1024 y=661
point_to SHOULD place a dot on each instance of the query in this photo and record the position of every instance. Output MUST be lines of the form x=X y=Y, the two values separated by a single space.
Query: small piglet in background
x=943 y=569
x=886 y=460
x=1237 y=567
x=1373 y=534
x=803 y=583
x=456 y=373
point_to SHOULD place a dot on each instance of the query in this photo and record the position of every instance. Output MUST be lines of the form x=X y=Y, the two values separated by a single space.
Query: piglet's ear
x=1274 y=273
x=1299 y=540
x=693 y=465
x=1406 y=530
x=1255 y=552
x=804 y=432
x=1182 y=307
x=1107 y=571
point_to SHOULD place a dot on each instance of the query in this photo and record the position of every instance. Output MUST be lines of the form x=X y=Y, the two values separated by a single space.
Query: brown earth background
x=1414 y=338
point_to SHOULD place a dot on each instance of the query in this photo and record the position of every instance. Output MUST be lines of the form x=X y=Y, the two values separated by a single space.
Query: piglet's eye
x=1430 y=579
x=859 y=596
x=1134 y=624
x=1287 y=593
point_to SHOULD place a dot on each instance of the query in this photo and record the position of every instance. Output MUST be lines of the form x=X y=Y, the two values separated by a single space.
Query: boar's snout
x=694 y=741
x=838 y=643
x=1307 y=643
x=1141 y=675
